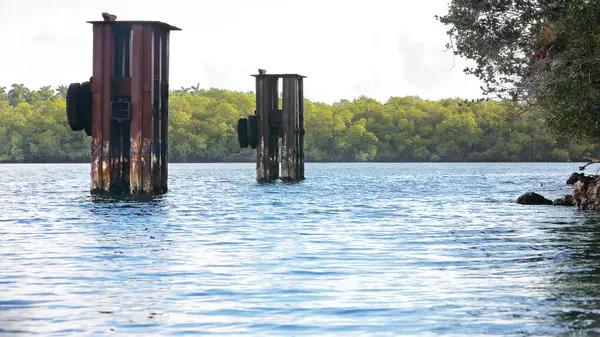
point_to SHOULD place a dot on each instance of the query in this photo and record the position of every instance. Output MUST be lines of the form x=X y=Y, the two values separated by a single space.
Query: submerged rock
x=567 y=200
x=532 y=198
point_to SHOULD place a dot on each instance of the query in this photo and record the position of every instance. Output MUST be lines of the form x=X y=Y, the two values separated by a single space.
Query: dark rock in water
x=567 y=200
x=575 y=177
x=532 y=198
x=586 y=193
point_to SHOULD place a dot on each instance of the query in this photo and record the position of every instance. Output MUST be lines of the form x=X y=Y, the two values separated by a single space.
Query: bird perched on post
x=109 y=17
x=262 y=71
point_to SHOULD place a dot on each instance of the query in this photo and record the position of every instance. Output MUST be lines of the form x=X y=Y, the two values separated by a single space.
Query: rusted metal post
x=300 y=157
x=267 y=101
x=128 y=106
x=164 y=110
x=290 y=127
x=263 y=130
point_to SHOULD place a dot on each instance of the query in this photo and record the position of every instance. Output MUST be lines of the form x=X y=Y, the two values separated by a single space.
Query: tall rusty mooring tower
x=125 y=106
x=272 y=122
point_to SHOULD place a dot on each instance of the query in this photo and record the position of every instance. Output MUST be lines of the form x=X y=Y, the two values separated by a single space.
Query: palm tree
x=181 y=91
x=46 y=93
x=61 y=91
x=17 y=94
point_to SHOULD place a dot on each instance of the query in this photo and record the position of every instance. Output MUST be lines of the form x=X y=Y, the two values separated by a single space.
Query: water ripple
x=356 y=249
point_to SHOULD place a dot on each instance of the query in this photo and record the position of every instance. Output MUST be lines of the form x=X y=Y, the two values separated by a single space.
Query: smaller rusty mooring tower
x=276 y=119
x=124 y=106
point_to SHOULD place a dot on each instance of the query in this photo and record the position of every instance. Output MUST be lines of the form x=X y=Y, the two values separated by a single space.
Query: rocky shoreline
x=586 y=194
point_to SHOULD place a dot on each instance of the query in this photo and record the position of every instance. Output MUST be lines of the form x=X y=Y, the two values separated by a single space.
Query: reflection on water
x=355 y=248
x=575 y=295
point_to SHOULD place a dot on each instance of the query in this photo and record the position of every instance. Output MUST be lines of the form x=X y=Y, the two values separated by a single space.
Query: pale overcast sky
x=346 y=48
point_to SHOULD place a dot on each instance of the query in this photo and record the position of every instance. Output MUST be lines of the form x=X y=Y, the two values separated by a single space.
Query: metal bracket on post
x=120 y=110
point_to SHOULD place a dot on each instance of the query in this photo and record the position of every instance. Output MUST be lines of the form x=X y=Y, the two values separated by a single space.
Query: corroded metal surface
x=300 y=157
x=273 y=155
x=106 y=83
x=156 y=83
x=146 y=111
x=135 y=183
x=164 y=111
x=262 y=112
x=134 y=162
x=96 y=88
x=289 y=125
x=273 y=132
x=267 y=154
x=106 y=166
x=96 y=173
x=130 y=63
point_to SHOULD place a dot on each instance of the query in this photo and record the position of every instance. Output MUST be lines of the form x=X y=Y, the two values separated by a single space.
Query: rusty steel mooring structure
x=125 y=106
x=276 y=120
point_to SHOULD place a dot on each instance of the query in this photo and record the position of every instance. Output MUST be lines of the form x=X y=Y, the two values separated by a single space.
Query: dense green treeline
x=34 y=128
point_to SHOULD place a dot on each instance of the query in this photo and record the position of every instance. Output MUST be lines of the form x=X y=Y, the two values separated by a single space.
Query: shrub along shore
x=203 y=123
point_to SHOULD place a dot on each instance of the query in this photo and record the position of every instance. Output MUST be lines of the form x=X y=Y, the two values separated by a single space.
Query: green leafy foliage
x=543 y=53
x=202 y=127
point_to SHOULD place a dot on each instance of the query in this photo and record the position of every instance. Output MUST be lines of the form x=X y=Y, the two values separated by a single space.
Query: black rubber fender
x=88 y=130
x=242 y=131
x=73 y=116
x=84 y=106
x=253 y=131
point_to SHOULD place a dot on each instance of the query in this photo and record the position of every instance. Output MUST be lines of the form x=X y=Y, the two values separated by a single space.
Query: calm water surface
x=356 y=249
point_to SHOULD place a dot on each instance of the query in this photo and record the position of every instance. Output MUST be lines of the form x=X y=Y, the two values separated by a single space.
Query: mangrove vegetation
x=202 y=126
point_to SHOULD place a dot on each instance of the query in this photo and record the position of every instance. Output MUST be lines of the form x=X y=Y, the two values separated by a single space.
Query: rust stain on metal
x=134 y=176
x=274 y=124
x=96 y=165
x=136 y=112
x=130 y=154
x=289 y=164
x=106 y=166
x=301 y=128
x=146 y=165
x=146 y=109
x=164 y=111
x=96 y=143
x=106 y=84
x=156 y=118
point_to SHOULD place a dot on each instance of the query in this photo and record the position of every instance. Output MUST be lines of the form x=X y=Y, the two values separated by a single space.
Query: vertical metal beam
x=126 y=125
x=164 y=111
x=116 y=128
x=107 y=77
x=96 y=88
x=135 y=182
x=262 y=90
x=289 y=142
x=267 y=154
x=147 y=120
x=301 y=128
x=156 y=118
x=273 y=153
x=119 y=182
